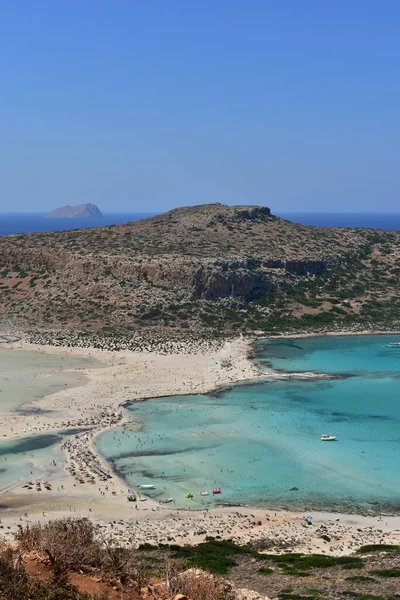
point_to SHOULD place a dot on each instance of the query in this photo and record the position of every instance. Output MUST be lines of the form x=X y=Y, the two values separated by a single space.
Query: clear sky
x=143 y=105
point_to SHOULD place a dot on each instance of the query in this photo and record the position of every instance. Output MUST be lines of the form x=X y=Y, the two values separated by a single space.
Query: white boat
x=328 y=438
x=147 y=486
x=204 y=493
x=393 y=345
x=167 y=500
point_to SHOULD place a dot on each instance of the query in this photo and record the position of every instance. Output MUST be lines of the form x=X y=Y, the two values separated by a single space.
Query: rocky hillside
x=209 y=268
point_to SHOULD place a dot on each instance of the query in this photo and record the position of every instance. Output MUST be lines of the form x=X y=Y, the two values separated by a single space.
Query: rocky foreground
x=73 y=549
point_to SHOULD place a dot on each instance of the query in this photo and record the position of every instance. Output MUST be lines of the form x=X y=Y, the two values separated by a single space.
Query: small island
x=82 y=211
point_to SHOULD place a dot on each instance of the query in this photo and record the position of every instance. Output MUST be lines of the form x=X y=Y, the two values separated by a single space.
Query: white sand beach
x=133 y=376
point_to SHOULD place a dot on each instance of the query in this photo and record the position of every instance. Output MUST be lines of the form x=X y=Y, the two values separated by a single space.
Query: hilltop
x=83 y=211
x=210 y=268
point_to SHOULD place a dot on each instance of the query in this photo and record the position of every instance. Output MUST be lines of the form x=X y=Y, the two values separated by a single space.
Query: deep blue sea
x=35 y=222
x=379 y=220
x=261 y=443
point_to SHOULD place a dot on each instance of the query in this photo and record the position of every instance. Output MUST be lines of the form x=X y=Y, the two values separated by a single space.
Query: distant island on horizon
x=81 y=211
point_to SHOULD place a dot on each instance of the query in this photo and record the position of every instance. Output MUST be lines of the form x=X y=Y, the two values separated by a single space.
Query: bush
x=68 y=543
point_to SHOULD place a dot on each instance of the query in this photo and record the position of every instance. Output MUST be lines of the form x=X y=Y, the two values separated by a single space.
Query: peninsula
x=81 y=211
x=211 y=269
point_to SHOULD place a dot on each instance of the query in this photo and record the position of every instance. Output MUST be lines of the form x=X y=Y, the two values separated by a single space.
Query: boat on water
x=204 y=493
x=393 y=345
x=166 y=501
x=147 y=486
x=328 y=438
x=188 y=495
x=216 y=491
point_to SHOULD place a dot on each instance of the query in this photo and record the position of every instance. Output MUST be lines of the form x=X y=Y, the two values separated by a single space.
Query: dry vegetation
x=212 y=268
x=69 y=551
x=67 y=543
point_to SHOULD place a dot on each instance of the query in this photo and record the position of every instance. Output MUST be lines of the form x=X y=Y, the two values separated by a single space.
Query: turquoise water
x=24 y=378
x=31 y=457
x=28 y=376
x=261 y=443
x=360 y=355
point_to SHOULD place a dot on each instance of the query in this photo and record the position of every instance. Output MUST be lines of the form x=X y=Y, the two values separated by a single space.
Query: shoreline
x=188 y=374
x=328 y=334
x=127 y=377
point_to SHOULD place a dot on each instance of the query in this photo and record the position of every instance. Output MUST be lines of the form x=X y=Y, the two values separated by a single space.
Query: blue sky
x=147 y=105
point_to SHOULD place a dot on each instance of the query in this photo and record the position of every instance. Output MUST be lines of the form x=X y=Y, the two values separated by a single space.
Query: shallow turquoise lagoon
x=31 y=457
x=261 y=443
x=27 y=376
x=24 y=378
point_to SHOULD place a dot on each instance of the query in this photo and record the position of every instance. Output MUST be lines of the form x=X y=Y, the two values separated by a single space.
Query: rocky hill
x=209 y=268
x=83 y=211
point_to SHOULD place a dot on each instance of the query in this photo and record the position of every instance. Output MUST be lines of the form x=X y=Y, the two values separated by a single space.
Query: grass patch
x=360 y=578
x=284 y=596
x=298 y=564
x=378 y=548
x=148 y=547
x=359 y=596
x=213 y=555
x=395 y=572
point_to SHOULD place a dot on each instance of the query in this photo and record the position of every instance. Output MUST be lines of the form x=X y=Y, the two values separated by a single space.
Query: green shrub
x=378 y=548
x=359 y=578
x=285 y=596
x=358 y=596
x=395 y=572
x=301 y=563
x=265 y=571
x=213 y=555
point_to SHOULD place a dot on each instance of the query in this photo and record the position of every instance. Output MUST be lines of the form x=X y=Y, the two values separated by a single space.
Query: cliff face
x=83 y=211
x=203 y=266
x=197 y=279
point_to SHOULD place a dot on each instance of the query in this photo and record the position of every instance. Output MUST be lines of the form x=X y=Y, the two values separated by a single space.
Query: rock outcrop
x=82 y=211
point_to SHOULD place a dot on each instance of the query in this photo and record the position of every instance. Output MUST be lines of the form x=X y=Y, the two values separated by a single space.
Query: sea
x=25 y=377
x=260 y=442
x=35 y=222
